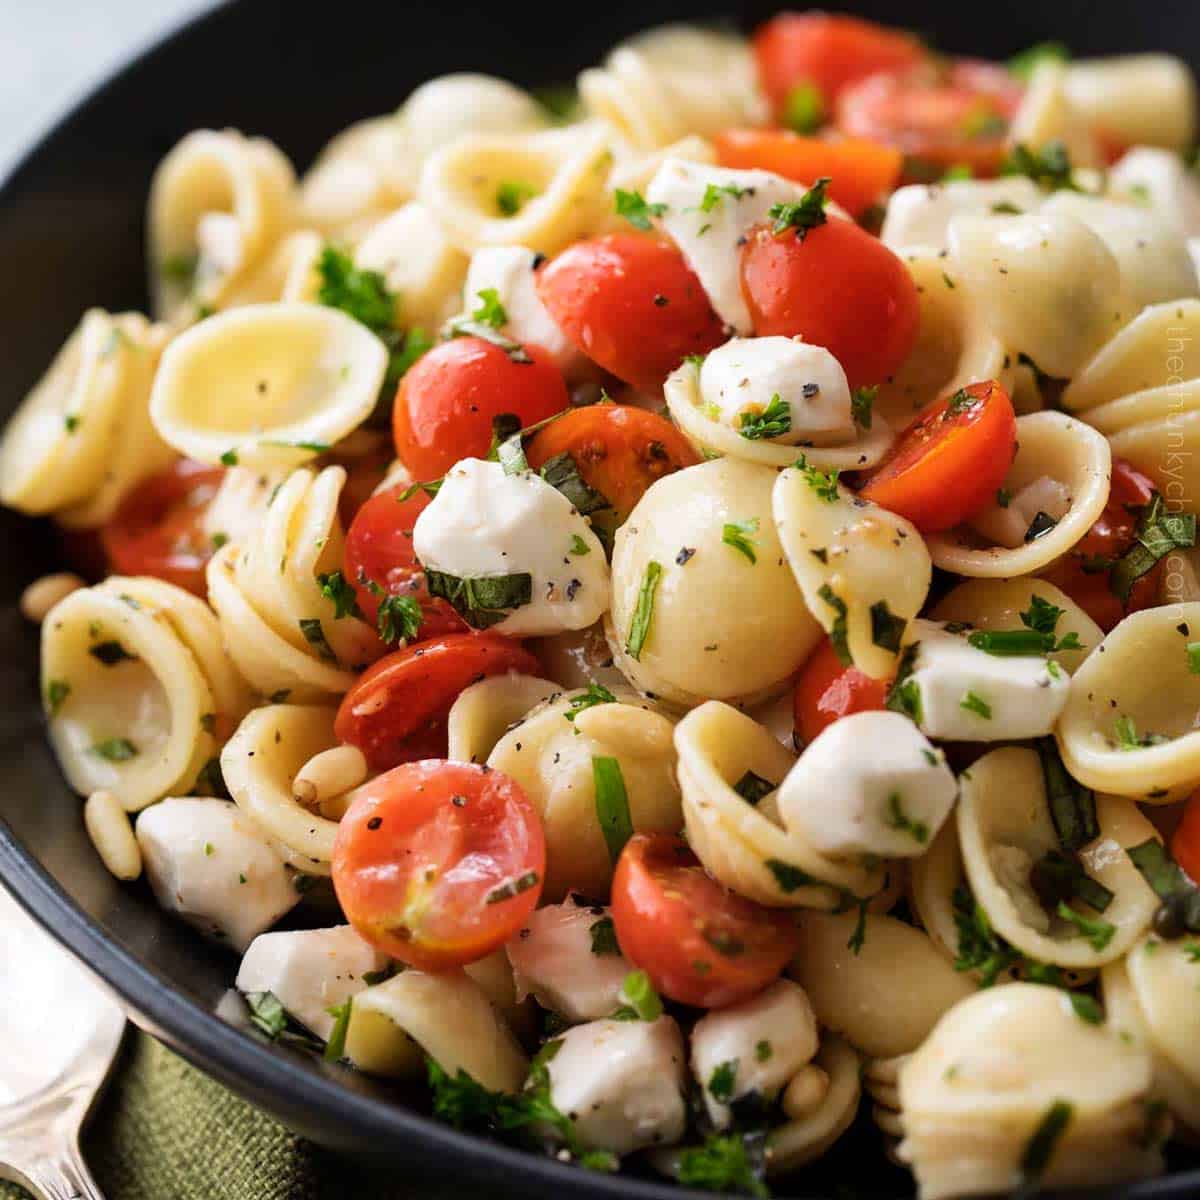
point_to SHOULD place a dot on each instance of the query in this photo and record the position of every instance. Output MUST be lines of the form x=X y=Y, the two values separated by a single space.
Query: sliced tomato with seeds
x=380 y=561
x=158 y=528
x=826 y=691
x=1185 y=842
x=396 y=712
x=699 y=942
x=947 y=465
x=439 y=863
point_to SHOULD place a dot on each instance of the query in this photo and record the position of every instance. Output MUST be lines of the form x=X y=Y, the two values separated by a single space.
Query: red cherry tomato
x=1083 y=573
x=826 y=691
x=446 y=402
x=943 y=118
x=619 y=450
x=860 y=172
x=631 y=304
x=379 y=561
x=699 y=942
x=1185 y=843
x=948 y=464
x=157 y=530
x=827 y=50
x=836 y=287
x=439 y=863
x=397 y=710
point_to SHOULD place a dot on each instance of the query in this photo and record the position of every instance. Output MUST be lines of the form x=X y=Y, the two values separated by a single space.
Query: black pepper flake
x=660 y=301
x=1182 y=627
x=374 y=822
x=685 y=555
x=458 y=801
x=809 y=390
x=573 y=588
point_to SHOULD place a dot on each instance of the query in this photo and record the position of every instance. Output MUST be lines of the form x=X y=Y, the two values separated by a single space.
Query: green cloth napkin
x=165 y=1131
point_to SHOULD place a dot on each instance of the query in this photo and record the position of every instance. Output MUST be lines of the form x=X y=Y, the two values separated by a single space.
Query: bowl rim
x=267 y=1076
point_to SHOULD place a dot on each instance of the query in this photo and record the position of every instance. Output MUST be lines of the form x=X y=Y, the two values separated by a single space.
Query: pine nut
x=328 y=775
x=806 y=1091
x=111 y=831
x=43 y=594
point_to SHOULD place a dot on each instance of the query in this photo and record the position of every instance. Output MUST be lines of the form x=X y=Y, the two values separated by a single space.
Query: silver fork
x=59 y=1035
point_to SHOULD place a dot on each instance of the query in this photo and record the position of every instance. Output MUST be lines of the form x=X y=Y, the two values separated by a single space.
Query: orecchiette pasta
x=279 y=626
x=1047 y=116
x=267 y=385
x=745 y=846
x=1139 y=99
x=803 y=1139
x=1128 y=725
x=288 y=272
x=1005 y=828
x=483 y=713
x=713 y=611
x=218 y=202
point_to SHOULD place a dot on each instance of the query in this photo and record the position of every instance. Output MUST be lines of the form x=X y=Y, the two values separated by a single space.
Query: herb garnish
x=772 y=422
x=595 y=694
x=886 y=628
x=115 y=749
x=604 y=936
x=481 y=601
x=612 y=804
x=837 y=631
x=807 y=213
x=738 y=535
x=633 y=207
x=752 y=788
x=399 y=619
x=336 y=588
x=643 y=614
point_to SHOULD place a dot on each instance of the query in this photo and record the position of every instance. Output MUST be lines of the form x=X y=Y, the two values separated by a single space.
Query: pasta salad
x=699 y=570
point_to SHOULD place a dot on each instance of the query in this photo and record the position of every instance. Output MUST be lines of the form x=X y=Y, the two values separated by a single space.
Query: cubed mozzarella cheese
x=209 y=864
x=622 y=1083
x=487 y=525
x=708 y=211
x=553 y=959
x=869 y=784
x=919 y=214
x=755 y=1046
x=1008 y=524
x=510 y=271
x=1162 y=181
x=309 y=971
x=964 y=694
x=741 y=380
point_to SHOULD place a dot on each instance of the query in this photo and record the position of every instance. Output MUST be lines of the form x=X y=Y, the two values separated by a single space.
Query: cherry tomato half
x=826 y=691
x=619 y=450
x=379 y=561
x=446 y=402
x=942 y=117
x=699 y=942
x=948 y=463
x=397 y=710
x=631 y=304
x=1083 y=573
x=859 y=171
x=158 y=528
x=837 y=287
x=1185 y=843
x=439 y=863
x=827 y=50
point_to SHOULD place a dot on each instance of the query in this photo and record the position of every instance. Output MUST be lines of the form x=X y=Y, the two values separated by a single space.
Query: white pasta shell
x=259 y=764
x=1046 y=114
x=1139 y=673
x=288 y=272
x=485 y=711
x=156 y=699
x=744 y=846
x=1056 y=446
x=1004 y=824
x=1138 y=99
x=267 y=384
x=797 y=1142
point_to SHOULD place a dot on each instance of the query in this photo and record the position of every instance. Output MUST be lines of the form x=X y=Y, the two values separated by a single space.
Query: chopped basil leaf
x=773 y=421
x=513 y=887
x=977 y=705
x=267 y=1013
x=1049 y=167
x=1041 y=525
x=1040 y=1148
x=595 y=694
x=430 y=488
x=1180 y=896
x=482 y=601
x=633 y=207
x=752 y=788
x=210 y=781
x=643 y=614
x=314 y=635
x=335 y=1048
x=1072 y=806
x=562 y=473
x=1024 y=64
x=604 y=936
x=1056 y=877
x=1158 y=533
x=579 y=546
x=807 y=213
x=737 y=534
x=1127 y=737
x=837 y=632
x=1193 y=657
x=858 y=937
x=612 y=804
x=1087 y=1008
x=905 y=694
x=336 y=588
x=467 y=327
x=886 y=628
x=788 y=877
x=899 y=820
x=721 y=1081
x=490 y=311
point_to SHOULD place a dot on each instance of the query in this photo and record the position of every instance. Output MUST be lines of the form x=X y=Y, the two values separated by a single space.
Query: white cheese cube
x=209 y=864
x=1162 y=181
x=869 y=783
x=309 y=971
x=485 y=524
x=710 y=226
x=552 y=958
x=755 y=1046
x=1007 y=524
x=919 y=214
x=622 y=1083
x=967 y=695
x=510 y=271
x=743 y=378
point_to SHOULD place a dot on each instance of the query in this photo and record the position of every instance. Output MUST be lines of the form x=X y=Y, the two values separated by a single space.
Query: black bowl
x=71 y=235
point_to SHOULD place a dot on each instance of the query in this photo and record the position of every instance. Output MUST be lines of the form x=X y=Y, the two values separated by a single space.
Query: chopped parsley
x=1087 y=1008
x=633 y=207
x=643 y=613
x=1049 y=167
x=752 y=788
x=314 y=635
x=804 y=108
x=862 y=405
x=714 y=193
x=512 y=196
x=1127 y=737
x=763 y=1051
x=641 y=1001
x=490 y=311
x=335 y=1048
x=721 y=1082
x=57 y=691
x=905 y=693
x=976 y=704
x=115 y=749
x=886 y=628
x=1098 y=932
x=579 y=546
x=1036 y=638
x=71 y=422
x=399 y=619
x=1024 y=64
x=595 y=694
x=337 y=589
x=838 y=636
x=604 y=937
x=772 y=422
x=738 y=535
x=961 y=402
x=899 y=820
x=612 y=804
x=722 y=1164
x=482 y=601
x=807 y=213
x=824 y=483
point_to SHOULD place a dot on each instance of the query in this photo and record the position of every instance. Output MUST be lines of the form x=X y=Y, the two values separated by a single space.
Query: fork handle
x=63 y=1176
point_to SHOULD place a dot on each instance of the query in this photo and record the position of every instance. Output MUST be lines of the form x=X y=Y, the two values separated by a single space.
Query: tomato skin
x=826 y=691
x=619 y=450
x=446 y=402
x=947 y=465
x=379 y=551
x=959 y=116
x=632 y=304
x=829 y=50
x=1109 y=537
x=364 y=473
x=670 y=916
x=157 y=528
x=838 y=287
x=396 y=711
x=1185 y=842
x=473 y=828
x=860 y=171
